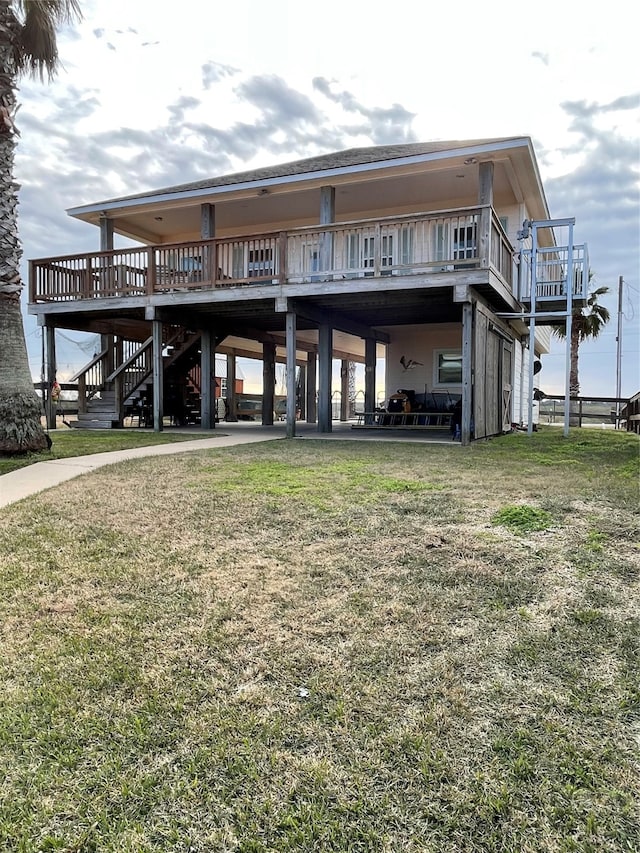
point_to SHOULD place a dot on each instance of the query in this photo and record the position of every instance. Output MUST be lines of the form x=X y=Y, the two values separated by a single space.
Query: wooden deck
x=469 y=238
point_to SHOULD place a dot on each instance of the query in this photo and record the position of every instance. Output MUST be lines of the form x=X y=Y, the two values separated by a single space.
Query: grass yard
x=327 y=646
x=79 y=442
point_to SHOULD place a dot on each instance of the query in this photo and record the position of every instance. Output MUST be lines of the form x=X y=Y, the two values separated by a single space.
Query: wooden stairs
x=101 y=413
x=134 y=381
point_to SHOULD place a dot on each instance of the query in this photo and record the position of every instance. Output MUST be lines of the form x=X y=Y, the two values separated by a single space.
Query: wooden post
x=302 y=384
x=325 y=351
x=106 y=234
x=207 y=373
x=32 y=281
x=291 y=374
x=208 y=232
x=86 y=282
x=344 y=390
x=82 y=393
x=106 y=245
x=312 y=399
x=232 y=397
x=369 y=374
x=327 y=217
x=119 y=380
x=485 y=198
x=158 y=376
x=207 y=221
x=327 y=205
x=151 y=270
x=50 y=337
x=282 y=257
x=377 y=251
x=268 y=382
x=467 y=372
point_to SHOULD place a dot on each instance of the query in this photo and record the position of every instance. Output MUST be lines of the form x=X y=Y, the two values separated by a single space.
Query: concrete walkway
x=44 y=475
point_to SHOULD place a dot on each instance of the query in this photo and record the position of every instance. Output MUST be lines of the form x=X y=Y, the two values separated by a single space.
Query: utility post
x=619 y=353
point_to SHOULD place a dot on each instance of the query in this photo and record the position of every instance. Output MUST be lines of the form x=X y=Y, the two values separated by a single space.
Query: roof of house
x=324 y=162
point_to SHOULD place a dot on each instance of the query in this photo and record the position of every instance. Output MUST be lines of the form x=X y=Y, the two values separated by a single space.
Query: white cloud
x=198 y=88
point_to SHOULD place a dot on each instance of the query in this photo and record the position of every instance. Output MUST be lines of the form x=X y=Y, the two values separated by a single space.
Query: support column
x=312 y=381
x=327 y=216
x=207 y=221
x=301 y=392
x=325 y=350
x=344 y=390
x=106 y=245
x=369 y=374
x=291 y=374
x=158 y=376
x=50 y=349
x=208 y=232
x=106 y=234
x=208 y=380
x=467 y=373
x=485 y=197
x=232 y=397
x=268 y=382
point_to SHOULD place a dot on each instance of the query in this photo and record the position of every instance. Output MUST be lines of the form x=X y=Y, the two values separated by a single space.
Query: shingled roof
x=323 y=162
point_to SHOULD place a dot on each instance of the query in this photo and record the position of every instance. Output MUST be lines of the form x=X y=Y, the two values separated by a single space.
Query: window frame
x=452 y=352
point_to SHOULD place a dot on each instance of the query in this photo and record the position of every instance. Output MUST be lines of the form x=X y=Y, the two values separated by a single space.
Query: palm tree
x=586 y=323
x=27 y=46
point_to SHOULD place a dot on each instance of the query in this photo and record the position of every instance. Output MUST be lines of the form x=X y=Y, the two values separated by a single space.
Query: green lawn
x=318 y=645
x=80 y=442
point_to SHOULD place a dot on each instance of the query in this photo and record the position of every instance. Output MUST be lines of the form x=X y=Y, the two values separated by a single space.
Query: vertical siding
x=518 y=387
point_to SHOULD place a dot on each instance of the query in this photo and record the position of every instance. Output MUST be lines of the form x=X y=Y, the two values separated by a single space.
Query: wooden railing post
x=377 y=248
x=484 y=237
x=32 y=281
x=82 y=394
x=87 y=280
x=118 y=386
x=151 y=271
x=282 y=257
x=209 y=266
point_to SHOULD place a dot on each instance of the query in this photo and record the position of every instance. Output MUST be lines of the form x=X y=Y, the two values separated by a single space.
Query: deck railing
x=552 y=270
x=417 y=244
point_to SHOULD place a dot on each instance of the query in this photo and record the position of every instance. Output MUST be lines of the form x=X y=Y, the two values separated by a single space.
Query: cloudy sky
x=156 y=93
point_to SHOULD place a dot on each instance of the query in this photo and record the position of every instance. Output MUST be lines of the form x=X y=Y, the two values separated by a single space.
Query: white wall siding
x=419 y=343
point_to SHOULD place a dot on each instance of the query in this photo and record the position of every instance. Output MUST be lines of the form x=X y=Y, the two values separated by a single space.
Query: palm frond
x=36 y=52
x=587 y=322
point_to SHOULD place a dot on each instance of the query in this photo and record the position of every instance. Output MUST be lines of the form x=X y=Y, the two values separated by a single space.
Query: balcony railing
x=552 y=273
x=418 y=244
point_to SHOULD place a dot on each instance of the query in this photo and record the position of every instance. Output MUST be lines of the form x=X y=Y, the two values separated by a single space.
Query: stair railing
x=91 y=379
x=131 y=374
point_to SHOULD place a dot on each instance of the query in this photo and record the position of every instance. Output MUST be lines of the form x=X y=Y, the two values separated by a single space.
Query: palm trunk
x=20 y=409
x=574 y=384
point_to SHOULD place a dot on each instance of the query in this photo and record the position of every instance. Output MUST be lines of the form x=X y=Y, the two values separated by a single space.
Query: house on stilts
x=439 y=257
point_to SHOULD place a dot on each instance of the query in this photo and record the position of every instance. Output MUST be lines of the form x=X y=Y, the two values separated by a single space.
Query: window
x=406 y=245
x=369 y=254
x=311 y=260
x=353 y=251
x=448 y=367
x=464 y=242
x=441 y=251
x=260 y=263
x=237 y=262
x=361 y=250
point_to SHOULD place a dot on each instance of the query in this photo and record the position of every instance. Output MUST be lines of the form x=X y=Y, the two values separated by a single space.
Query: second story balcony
x=391 y=250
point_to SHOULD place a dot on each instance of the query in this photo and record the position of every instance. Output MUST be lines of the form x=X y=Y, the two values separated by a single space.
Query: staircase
x=128 y=390
x=101 y=413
